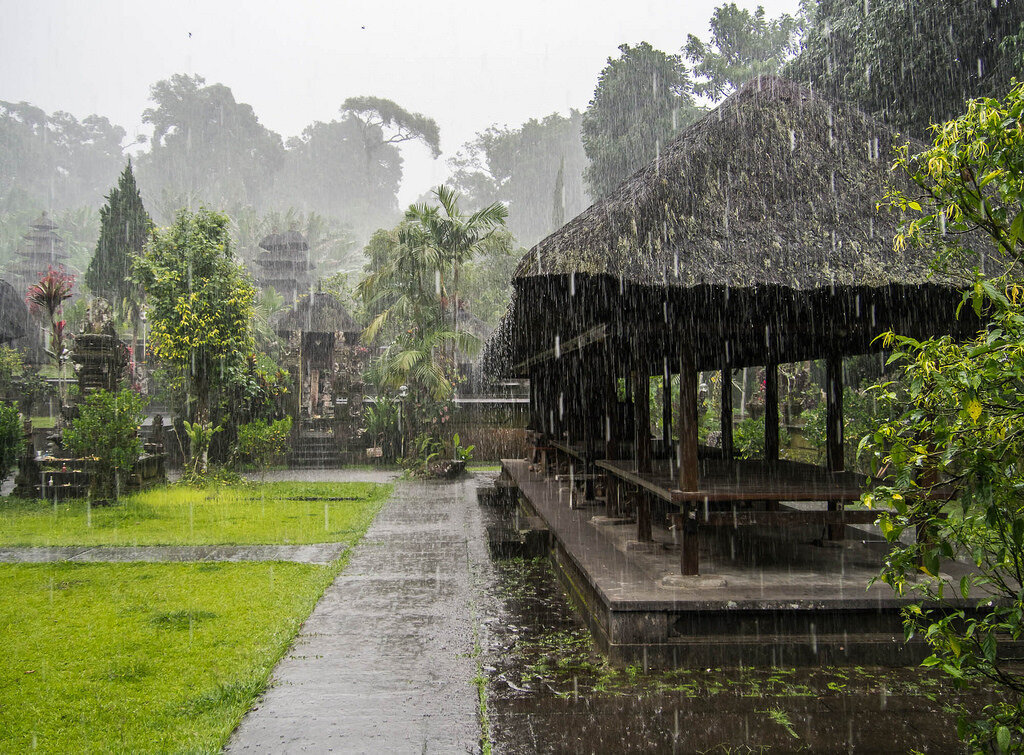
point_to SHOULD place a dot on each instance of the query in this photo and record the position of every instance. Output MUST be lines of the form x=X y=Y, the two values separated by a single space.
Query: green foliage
x=642 y=100
x=12 y=439
x=951 y=452
x=261 y=441
x=462 y=453
x=11 y=366
x=742 y=45
x=124 y=229
x=382 y=428
x=913 y=62
x=425 y=450
x=415 y=293
x=199 y=438
x=200 y=302
x=107 y=431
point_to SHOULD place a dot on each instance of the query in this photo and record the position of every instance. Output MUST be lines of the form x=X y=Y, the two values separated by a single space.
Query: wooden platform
x=765 y=596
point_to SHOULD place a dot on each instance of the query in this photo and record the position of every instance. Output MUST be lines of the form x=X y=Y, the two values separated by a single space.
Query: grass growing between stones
x=142 y=657
x=244 y=514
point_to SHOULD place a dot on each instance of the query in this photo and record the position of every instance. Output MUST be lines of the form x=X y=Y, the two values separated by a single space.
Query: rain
x=541 y=378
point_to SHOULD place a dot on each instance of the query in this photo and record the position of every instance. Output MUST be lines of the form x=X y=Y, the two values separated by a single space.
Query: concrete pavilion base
x=763 y=598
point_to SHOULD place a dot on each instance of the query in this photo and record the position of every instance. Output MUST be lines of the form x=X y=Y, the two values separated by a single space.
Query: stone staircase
x=314 y=451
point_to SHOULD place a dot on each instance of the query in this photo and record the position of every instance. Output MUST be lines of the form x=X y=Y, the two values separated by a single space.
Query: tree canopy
x=124 y=229
x=642 y=100
x=205 y=145
x=912 y=62
x=520 y=166
x=742 y=45
x=200 y=304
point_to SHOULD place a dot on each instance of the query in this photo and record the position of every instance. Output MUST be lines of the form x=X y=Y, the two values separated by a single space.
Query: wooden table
x=727 y=490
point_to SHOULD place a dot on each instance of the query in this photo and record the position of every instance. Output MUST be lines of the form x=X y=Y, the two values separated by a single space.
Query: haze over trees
x=520 y=167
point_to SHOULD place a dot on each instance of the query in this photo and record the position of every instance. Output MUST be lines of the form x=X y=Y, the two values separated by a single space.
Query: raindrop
x=792 y=140
x=558 y=347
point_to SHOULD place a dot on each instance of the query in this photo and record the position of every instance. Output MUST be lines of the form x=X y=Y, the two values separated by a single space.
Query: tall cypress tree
x=124 y=229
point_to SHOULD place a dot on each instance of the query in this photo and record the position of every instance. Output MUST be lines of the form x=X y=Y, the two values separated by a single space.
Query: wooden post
x=642 y=411
x=687 y=417
x=726 y=404
x=834 y=430
x=771 y=412
x=689 y=560
x=611 y=411
x=643 y=516
x=666 y=409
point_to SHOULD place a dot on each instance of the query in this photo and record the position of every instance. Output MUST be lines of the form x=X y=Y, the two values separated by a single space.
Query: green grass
x=142 y=657
x=279 y=512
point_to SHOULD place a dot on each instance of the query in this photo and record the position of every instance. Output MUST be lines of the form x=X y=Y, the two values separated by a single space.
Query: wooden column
x=610 y=427
x=726 y=403
x=643 y=516
x=666 y=409
x=687 y=418
x=771 y=412
x=834 y=430
x=642 y=412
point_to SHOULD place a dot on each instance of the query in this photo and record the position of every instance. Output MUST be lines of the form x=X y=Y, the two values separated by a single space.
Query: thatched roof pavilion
x=754 y=239
x=13 y=314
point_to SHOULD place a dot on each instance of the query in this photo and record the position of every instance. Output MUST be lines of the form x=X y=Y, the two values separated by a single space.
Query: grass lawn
x=277 y=512
x=142 y=657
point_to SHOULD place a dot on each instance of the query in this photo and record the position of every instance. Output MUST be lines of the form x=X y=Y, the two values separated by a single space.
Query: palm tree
x=415 y=293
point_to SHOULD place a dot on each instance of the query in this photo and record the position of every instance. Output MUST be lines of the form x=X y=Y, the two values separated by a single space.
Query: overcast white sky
x=466 y=64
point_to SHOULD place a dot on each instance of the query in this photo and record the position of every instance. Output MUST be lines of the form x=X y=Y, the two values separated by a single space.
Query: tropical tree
x=642 y=100
x=415 y=294
x=742 y=45
x=206 y=144
x=952 y=454
x=911 y=62
x=200 y=304
x=124 y=229
x=520 y=167
x=48 y=297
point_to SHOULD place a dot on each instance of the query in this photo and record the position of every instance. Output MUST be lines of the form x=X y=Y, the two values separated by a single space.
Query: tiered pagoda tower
x=43 y=246
x=284 y=265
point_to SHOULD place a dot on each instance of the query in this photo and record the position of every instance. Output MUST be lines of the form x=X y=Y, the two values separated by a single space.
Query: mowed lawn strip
x=288 y=513
x=142 y=657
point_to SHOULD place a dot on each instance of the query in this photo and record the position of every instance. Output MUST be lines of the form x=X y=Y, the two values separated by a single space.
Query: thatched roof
x=318 y=313
x=13 y=314
x=763 y=213
x=777 y=186
x=289 y=241
x=44 y=223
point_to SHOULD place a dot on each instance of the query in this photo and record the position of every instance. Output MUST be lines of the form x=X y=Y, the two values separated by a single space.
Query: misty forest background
x=912 y=63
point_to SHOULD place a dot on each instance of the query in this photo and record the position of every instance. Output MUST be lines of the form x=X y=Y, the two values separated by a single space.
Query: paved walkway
x=386 y=661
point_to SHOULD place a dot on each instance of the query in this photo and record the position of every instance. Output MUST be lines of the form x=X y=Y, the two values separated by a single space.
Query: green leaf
x=1016 y=228
x=1003 y=739
x=965 y=586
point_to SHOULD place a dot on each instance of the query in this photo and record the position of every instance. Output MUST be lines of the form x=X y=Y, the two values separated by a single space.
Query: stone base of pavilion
x=764 y=596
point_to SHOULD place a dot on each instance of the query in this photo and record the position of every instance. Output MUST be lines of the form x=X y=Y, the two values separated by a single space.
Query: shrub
x=11 y=439
x=261 y=442
x=107 y=431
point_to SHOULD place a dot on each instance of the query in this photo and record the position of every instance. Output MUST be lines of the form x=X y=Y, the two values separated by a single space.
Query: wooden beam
x=726 y=404
x=771 y=412
x=687 y=418
x=597 y=334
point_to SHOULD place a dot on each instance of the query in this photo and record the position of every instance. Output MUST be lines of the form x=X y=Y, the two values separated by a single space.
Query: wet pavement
x=387 y=660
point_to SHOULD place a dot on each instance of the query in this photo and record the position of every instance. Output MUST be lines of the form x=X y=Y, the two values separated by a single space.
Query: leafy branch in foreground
x=951 y=458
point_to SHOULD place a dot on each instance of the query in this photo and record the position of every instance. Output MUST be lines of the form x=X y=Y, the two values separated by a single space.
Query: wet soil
x=548 y=690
